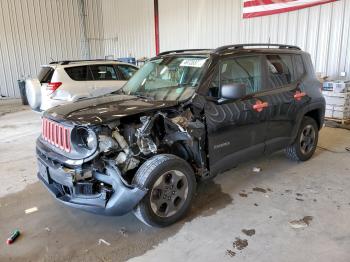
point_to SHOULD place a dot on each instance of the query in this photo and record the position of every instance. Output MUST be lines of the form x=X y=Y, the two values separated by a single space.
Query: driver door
x=236 y=128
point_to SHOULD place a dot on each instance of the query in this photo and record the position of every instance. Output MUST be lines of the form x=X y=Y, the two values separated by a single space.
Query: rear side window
x=103 y=72
x=280 y=70
x=245 y=70
x=45 y=74
x=127 y=71
x=79 y=73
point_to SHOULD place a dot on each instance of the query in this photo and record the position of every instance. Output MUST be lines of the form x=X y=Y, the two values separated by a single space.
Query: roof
x=86 y=62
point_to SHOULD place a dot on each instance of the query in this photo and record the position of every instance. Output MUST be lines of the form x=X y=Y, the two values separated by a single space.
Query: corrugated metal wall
x=34 y=31
x=324 y=31
x=31 y=33
x=128 y=28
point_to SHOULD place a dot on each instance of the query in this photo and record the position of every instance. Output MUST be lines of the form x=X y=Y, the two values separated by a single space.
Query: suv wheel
x=305 y=143
x=171 y=185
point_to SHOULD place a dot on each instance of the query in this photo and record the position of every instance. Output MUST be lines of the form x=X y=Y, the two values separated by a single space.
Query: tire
x=33 y=93
x=304 y=145
x=167 y=178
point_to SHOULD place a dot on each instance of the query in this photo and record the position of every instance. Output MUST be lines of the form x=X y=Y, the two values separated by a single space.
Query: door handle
x=259 y=105
x=299 y=95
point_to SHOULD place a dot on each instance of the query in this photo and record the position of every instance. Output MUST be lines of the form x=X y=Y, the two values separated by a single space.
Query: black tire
x=296 y=151
x=157 y=169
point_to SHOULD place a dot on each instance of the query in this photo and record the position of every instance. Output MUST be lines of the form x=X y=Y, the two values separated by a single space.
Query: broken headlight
x=84 y=139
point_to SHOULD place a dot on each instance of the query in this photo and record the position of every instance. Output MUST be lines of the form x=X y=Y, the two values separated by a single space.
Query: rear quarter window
x=45 y=74
x=299 y=67
x=79 y=73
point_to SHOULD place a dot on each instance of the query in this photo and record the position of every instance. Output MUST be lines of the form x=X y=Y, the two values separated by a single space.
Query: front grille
x=56 y=134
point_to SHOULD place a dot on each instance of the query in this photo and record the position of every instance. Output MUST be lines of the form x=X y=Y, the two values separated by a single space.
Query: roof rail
x=66 y=62
x=241 y=46
x=181 y=51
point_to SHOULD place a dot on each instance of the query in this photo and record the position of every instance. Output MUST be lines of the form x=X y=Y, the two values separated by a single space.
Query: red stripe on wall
x=264 y=2
x=283 y=10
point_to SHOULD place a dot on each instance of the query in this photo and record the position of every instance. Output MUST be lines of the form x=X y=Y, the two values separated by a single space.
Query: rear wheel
x=305 y=143
x=171 y=185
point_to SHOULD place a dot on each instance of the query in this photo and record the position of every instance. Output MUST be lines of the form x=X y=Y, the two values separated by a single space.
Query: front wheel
x=171 y=185
x=305 y=143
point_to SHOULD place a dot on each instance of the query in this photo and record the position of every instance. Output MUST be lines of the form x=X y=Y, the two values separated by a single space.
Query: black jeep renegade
x=185 y=116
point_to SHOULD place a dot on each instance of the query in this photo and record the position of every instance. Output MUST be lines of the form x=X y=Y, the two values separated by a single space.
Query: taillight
x=53 y=86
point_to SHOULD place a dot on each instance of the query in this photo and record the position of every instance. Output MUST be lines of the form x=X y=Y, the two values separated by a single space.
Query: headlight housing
x=84 y=140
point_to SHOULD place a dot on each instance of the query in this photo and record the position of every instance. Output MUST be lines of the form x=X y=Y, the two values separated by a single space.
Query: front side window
x=244 y=70
x=79 y=73
x=280 y=70
x=171 y=78
x=103 y=72
x=127 y=71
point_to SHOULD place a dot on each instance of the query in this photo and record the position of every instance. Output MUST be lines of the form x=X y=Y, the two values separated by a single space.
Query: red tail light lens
x=53 y=86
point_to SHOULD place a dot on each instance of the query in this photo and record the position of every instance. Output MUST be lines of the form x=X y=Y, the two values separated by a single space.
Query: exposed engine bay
x=127 y=143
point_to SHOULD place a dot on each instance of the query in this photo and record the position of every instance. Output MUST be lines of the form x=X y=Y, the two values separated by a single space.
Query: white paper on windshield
x=193 y=62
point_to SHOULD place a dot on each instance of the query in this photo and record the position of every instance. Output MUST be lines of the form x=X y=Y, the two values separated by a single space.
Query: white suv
x=69 y=81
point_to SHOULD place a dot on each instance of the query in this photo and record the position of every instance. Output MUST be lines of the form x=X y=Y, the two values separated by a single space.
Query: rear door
x=284 y=93
x=106 y=79
x=236 y=129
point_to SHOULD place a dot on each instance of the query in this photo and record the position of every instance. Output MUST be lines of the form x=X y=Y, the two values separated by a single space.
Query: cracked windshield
x=170 y=79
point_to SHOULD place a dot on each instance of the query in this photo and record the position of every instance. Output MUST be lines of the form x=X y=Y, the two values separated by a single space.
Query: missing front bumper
x=120 y=200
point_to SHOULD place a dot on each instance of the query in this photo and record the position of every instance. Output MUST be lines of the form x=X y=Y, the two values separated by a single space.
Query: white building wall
x=128 y=28
x=32 y=32
x=323 y=31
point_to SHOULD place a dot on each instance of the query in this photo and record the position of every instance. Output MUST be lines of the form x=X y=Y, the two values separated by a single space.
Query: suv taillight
x=52 y=86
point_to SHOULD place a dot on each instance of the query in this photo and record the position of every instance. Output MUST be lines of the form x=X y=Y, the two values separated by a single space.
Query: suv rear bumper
x=119 y=199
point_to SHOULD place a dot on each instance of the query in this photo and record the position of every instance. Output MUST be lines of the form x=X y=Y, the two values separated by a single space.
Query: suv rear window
x=79 y=73
x=45 y=74
x=104 y=72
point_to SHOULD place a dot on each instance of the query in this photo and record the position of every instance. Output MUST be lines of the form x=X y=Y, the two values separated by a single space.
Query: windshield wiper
x=143 y=96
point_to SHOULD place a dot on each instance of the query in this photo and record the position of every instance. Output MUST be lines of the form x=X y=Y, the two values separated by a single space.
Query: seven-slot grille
x=56 y=134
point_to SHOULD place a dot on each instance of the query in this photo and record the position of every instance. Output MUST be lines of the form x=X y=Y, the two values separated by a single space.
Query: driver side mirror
x=233 y=91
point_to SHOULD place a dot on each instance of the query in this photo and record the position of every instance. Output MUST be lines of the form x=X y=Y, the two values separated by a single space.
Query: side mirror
x=233 y=91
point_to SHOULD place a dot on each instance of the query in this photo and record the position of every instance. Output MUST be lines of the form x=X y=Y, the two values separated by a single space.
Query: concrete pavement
x=238 y=199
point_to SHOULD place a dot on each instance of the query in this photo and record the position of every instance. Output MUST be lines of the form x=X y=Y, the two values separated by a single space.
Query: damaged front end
x=102 y=180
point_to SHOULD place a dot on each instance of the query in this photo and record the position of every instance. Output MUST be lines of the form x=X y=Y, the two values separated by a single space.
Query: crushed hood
x=104 y=109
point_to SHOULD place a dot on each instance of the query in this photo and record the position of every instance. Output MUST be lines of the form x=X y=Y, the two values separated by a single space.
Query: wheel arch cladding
x=316 y=115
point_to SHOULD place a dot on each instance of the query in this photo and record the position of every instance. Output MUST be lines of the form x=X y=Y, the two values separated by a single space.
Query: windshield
x=170 y=79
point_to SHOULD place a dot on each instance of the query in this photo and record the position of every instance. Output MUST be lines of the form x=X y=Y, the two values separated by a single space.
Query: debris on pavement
x=301 y=223
x=47 y=229
x=230 y=253
x=102 y=241
x=249 y=232
x=31 y=210
x=257 y=169
x=255 y=204
x=299 y=199
x=240 y=244
x=15 y=234
x=243 y=195
x=123 y=232
x=259 y=189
